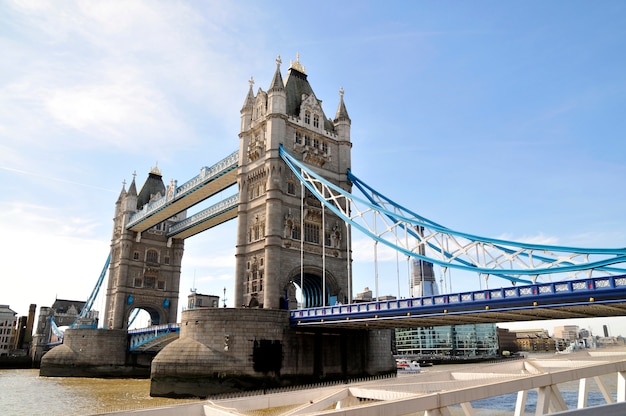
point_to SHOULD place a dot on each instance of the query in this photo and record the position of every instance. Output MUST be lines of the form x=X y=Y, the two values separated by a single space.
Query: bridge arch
x=156 y=315
x=314 y=291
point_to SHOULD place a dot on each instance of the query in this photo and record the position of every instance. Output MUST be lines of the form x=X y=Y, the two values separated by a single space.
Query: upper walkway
x=209 y=182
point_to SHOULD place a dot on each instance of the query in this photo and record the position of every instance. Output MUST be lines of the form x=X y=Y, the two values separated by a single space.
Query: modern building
x=8 y=322
x=473 y=340
x=423 y=281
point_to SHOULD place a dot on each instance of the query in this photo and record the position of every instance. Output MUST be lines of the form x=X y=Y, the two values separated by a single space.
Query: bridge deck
x=588 y=298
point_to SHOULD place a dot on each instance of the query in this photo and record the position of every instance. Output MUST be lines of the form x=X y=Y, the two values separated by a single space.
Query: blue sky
x=502 y=119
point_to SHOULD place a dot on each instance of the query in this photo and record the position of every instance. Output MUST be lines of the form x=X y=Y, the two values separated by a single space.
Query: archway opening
x=142 y=318
x=309 y=291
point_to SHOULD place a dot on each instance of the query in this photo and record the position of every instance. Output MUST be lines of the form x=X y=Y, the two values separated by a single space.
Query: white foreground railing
x=469 y=390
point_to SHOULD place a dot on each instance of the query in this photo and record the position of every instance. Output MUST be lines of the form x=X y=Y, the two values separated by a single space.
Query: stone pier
x=94 y=353
x=226 y=350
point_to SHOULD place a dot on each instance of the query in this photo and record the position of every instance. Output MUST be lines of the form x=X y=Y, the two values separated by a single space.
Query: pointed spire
x=122 y=192
x=248 y=104
x=342 y=113
x=277 y=82
x=132 y=189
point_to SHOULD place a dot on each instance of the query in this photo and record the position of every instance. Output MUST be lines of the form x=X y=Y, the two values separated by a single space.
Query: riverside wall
x=226 y=350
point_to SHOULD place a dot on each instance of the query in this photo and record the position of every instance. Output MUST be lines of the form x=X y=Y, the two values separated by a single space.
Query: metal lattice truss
x=390 y=224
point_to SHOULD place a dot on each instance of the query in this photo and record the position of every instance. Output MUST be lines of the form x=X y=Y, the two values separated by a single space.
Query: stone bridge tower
x=144 y=271
x=285 y=239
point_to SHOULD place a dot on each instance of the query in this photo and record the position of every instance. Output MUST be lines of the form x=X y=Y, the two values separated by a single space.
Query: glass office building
x=472 y=340
x=476 y=340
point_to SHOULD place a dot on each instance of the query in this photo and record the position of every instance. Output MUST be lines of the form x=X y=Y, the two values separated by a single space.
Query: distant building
x=566 y=332
x=507 y=340
x=584 y=333
x=197 y=300
x=64 y=313
x=423 y=281
x=365 y=296
x=470 y=340
x=24 y=330
x=8 y=322
x=535 y=340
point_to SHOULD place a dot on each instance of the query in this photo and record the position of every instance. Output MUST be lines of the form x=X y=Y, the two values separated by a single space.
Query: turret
x=342 y=120
x=248 y=107
x=277 y=97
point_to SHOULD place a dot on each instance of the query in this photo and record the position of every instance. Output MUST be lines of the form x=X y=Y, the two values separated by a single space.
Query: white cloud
x=48 y=256
x=117 y=111
x=127 y=75
x=531 y=239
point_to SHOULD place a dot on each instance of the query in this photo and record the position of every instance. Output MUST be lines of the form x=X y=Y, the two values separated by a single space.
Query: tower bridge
x=296 y=214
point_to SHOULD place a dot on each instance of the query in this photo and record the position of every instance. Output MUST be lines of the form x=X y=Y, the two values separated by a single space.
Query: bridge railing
x=140 y=336
x=155 y=328
x=509 y=297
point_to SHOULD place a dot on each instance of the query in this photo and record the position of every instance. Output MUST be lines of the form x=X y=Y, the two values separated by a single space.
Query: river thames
x=24 y=392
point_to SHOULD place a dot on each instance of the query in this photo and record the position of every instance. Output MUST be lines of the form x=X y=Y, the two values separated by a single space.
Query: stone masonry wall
x=88 y=353
x=225 y=350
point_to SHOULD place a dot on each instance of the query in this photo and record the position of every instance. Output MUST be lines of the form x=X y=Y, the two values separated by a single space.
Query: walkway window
x=298 y=137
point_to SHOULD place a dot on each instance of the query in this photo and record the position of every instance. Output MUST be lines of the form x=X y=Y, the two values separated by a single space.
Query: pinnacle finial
x=297 y=65
x=278 y=61
x=155 y=170
x=251 y=82
x=341 y=92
